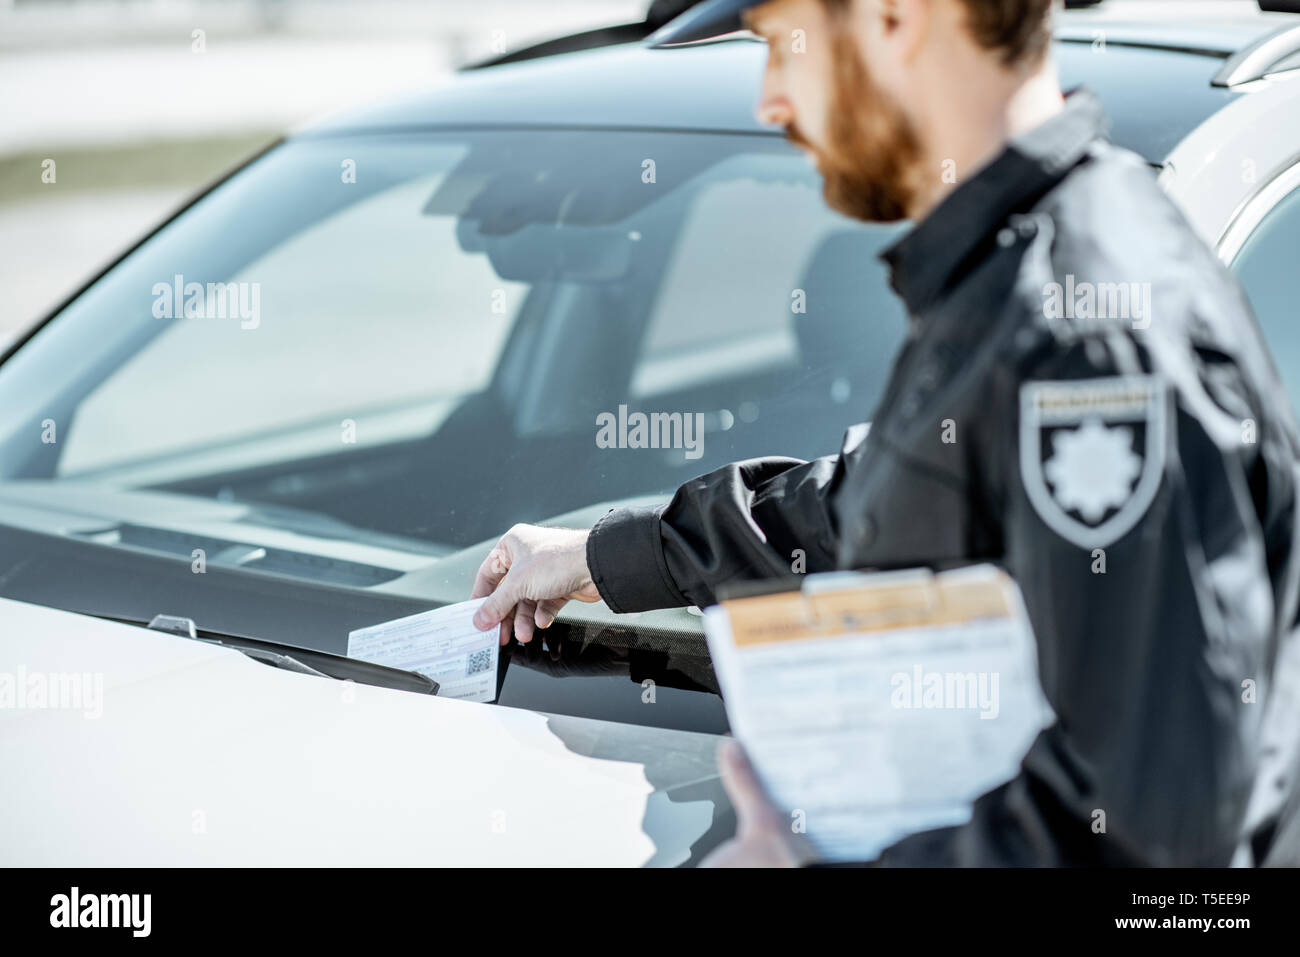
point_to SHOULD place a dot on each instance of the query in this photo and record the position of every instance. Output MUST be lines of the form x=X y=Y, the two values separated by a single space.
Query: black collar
x=923 y=262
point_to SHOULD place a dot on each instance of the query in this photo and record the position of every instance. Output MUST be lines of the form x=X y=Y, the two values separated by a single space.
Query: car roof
x=1214 y=27
x=1154 y=79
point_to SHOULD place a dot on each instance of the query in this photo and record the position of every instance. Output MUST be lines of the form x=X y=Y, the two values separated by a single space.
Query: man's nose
x=775 y=111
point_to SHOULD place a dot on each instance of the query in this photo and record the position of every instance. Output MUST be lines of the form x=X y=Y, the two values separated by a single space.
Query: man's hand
x=763 y=834
x=530 y=575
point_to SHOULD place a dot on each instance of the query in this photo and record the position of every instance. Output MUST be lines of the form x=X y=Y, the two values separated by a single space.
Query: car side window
x=1266 y=267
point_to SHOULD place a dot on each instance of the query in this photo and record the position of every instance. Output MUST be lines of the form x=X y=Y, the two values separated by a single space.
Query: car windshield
x=333 y=381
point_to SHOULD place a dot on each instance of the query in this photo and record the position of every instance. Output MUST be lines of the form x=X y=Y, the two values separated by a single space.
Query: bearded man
x=1162 y=445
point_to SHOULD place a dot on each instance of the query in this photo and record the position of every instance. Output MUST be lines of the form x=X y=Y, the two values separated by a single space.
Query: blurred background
x=140 y=103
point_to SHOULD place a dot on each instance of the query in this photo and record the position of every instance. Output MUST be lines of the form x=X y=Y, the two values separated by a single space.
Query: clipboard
x=874 y=705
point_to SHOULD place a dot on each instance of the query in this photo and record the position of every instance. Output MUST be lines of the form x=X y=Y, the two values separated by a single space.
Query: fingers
x=509 y=579
x=743 y=787
x=547 y=610
x=524 y=620
x=490 y=583
x=524 y=612
x=490 y=573
x=498 y=605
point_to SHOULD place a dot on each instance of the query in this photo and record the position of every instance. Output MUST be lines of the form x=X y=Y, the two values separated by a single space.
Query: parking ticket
x=441 y=644
x=874 y=706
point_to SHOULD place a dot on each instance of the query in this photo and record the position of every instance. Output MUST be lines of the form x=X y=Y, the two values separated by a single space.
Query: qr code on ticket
x=478 y=661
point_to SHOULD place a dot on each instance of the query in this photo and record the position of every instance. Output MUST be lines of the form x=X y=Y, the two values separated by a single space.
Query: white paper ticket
x=441 y=644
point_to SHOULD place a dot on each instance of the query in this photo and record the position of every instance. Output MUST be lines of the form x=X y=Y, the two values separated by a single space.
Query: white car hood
x=202 y=756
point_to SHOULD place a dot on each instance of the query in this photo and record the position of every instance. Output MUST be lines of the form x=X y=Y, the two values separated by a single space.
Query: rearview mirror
x=539 y=251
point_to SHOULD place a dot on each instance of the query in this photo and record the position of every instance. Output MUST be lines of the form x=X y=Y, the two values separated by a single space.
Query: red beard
x=870 y=158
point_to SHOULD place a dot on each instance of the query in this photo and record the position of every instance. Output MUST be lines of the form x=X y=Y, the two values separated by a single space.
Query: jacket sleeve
x=758 y=519
x=1146 y=643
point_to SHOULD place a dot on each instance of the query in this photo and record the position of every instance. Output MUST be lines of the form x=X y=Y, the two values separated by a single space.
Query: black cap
x=712 y=18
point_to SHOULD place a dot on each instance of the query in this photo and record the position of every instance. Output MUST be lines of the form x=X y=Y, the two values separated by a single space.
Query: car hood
x=185 y=753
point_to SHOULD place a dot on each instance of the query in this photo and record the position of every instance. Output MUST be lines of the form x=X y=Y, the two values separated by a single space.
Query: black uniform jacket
x=1085 y=399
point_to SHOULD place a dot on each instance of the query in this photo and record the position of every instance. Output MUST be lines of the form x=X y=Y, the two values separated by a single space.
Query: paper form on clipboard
x=877 y=705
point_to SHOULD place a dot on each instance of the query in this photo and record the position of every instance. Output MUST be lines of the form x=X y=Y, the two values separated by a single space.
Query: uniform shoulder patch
x=1092 y=453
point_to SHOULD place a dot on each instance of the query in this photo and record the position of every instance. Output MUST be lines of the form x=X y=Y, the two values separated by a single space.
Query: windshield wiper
x=185 y=628
x=307 y=661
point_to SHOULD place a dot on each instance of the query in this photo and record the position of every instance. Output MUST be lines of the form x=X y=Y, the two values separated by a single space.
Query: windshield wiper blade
x=288 y=657
x=185 y=627
x=274 y=659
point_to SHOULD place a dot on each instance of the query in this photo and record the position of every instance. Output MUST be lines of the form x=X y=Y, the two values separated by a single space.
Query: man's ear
x=904 y=25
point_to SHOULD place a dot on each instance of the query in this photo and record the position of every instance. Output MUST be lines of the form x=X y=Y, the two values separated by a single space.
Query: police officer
x=1083 y=398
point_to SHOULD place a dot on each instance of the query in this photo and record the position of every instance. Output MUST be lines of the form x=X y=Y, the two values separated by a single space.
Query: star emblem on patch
x=1092 y=468
x=1092 y=453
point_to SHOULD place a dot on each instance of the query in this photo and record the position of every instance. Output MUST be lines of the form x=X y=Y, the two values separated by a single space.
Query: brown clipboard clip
x=833 y=603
